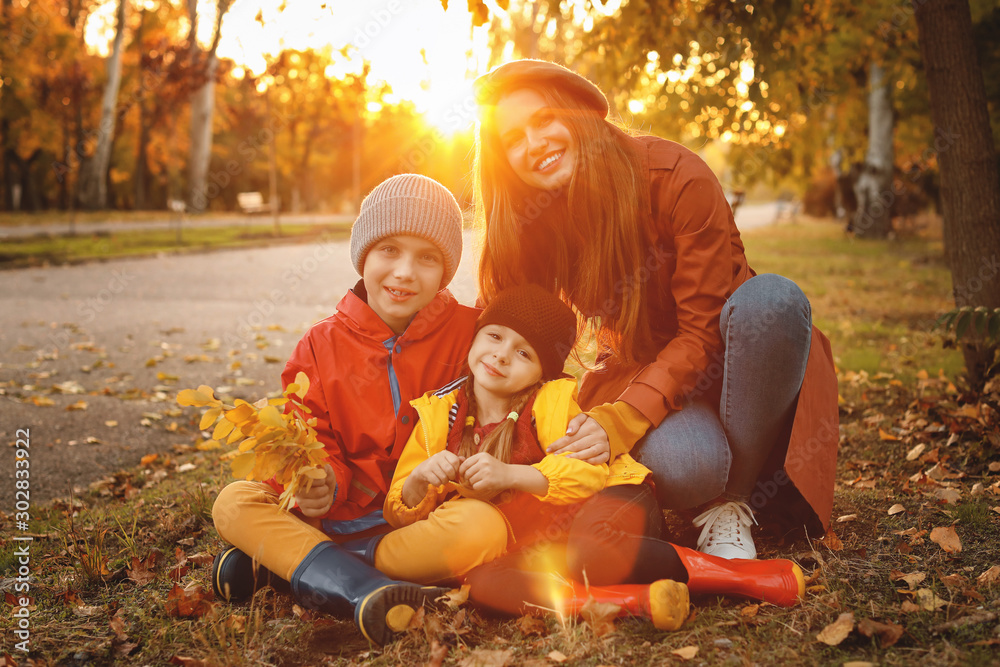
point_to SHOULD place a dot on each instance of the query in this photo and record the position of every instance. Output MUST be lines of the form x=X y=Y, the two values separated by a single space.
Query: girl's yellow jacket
x=570 y=480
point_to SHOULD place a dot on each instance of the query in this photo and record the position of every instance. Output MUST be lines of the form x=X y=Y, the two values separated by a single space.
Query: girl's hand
x=318 y=499
x=486 y=475
x=585 y=439
x=438 y=469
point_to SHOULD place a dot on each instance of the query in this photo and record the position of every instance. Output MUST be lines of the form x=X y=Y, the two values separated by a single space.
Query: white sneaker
x=726 y=531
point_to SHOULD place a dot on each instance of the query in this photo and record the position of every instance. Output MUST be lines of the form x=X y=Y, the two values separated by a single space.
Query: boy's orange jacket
x=362 y=378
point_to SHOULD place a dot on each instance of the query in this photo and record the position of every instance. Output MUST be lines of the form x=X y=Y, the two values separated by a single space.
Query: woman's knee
x=768 y=301
x=689 y=456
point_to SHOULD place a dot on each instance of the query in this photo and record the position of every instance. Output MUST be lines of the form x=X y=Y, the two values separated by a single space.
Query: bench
x=252 y=202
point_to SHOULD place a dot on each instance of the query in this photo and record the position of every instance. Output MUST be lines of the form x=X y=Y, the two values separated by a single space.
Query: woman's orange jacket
x=695 y=262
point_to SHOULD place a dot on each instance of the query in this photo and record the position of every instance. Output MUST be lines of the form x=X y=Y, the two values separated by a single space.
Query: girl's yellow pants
x=458 y=535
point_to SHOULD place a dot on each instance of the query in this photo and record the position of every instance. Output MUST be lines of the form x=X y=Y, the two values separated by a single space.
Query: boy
x=396 y=335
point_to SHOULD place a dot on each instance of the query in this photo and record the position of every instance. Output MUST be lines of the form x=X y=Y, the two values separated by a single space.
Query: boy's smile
x=401 y=275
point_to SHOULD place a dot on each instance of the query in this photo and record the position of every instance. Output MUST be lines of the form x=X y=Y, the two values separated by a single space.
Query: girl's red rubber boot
x=776 y=581
x=663 y=602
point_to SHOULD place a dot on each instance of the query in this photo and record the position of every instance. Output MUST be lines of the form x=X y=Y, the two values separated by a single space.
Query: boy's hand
x=318 y=499
x=438 y=469
x=585 y=439
x=486 y=475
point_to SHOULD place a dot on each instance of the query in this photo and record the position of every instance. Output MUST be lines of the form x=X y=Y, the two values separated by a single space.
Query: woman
x=712 y=376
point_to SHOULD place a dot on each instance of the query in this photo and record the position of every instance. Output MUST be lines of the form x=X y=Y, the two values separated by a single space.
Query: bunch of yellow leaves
x=272 y=443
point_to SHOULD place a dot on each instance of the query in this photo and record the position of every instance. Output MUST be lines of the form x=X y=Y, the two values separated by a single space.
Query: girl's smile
x=502 y=362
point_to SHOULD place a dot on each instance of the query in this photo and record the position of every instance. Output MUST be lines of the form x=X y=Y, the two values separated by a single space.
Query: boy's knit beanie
x=547 y=323
x=409 y=205
x=527 y=73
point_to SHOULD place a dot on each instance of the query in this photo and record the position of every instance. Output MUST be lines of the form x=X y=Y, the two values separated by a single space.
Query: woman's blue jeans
x=705 y=451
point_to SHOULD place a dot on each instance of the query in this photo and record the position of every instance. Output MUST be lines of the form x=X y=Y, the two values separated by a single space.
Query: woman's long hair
x=594 y=239
x=500 y=441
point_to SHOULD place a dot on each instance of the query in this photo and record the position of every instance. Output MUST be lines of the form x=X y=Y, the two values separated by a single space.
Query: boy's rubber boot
x=363 y=548
x=664 y=602
x=776 y=581
x=235 y=579
x=335 y=581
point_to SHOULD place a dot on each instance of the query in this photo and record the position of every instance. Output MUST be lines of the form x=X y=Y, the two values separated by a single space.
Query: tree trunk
x=874 y=187
x=6 y=18
x=970 y=185
x=202 y=113
x=141 y=176
x=93 y=179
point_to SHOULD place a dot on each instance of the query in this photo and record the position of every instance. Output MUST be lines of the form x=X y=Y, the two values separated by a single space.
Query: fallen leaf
x=556 y=656
x=837 y=631
x=187 y=662
x=977 y=490
x=989 y=576
x=882 y=435
x=994 y=466
x=888 y=633
x=117 y=625
x=600 y=616
x=909 y=607
x=532 y=625
x=750 y=610
x=947 y=539
x=456 y=597
x=846 y=518
x=831 y=541
x=79 y=405
x=915 y=453
x=201 y=558
x=896 y=509
x=439 y=652
x=148 y=458
x=140 y=572
x=911 y=579
x=929 y=601
x=111 y=423
x=686 y=653
x=486 y=658
x=87 y=610
x=190 y=602
x=950 y=496
x=42 y=401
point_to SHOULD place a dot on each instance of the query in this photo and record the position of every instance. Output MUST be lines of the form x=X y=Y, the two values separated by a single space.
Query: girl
x=475 y=466
x=715 y=375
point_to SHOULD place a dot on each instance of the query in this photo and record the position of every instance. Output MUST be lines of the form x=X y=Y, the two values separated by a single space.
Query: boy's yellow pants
x=459 y=535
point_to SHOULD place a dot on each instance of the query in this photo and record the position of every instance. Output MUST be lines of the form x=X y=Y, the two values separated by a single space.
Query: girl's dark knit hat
x=547 y=323
x=532 y=73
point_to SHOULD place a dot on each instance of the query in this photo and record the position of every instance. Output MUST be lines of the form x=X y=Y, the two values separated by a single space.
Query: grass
x=17 y=219
x=869 y=297
x=38 y=250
